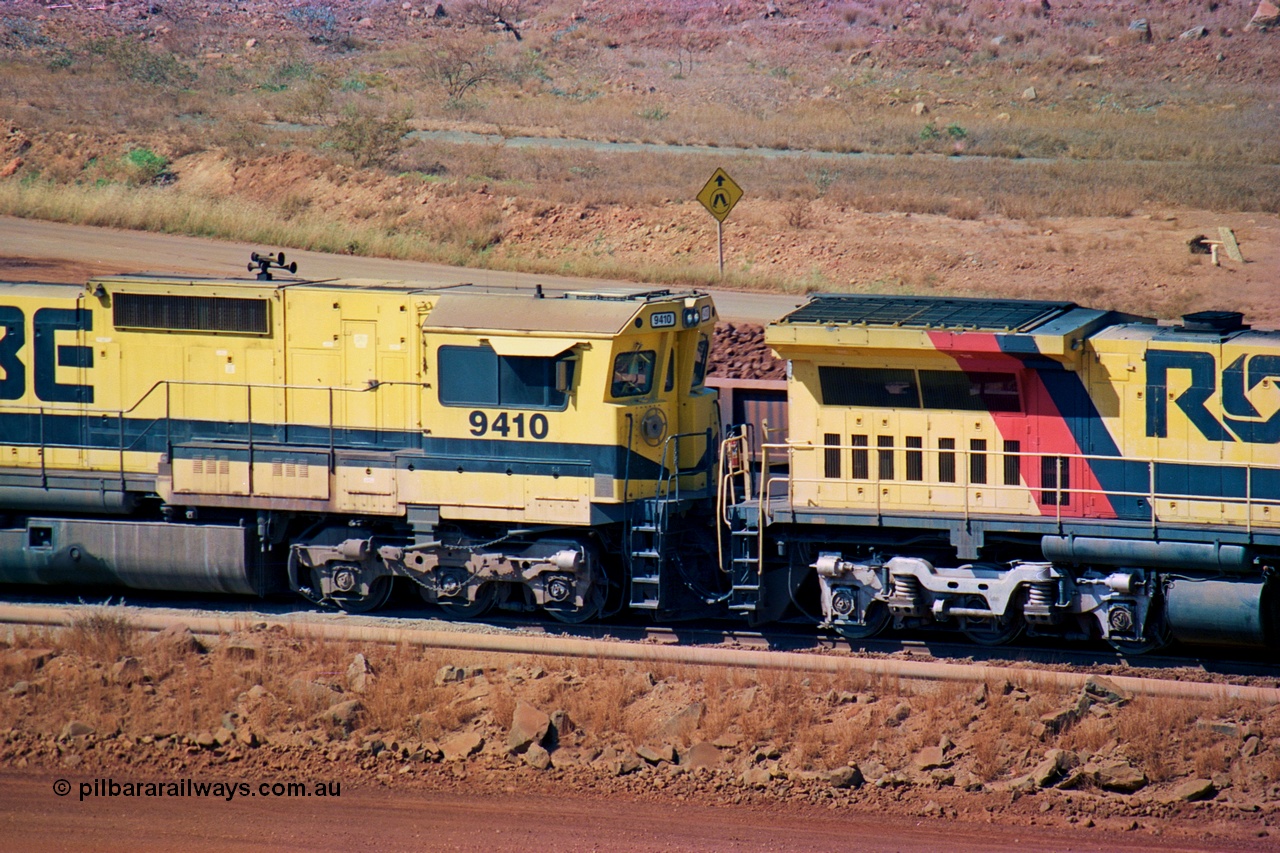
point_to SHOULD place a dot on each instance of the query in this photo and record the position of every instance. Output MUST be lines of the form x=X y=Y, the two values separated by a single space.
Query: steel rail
x=523 y=644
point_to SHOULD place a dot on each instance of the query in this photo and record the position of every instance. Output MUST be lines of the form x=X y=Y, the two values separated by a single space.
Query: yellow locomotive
x=490 y=446
x=984 y=466
x=993 y=465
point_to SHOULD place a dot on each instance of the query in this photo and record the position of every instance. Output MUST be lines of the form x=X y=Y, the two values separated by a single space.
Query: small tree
x=458 y=65
x=502 y=15
x=369 y=137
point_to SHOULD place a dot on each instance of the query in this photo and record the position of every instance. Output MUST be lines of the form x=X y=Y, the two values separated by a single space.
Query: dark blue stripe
x=1071 y=397
x=1216 y=481
x=435 y=453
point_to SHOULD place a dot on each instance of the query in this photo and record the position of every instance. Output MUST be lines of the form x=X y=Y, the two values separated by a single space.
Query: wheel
x=379 y=594
x=454 y=609
x=1158 y=638
x=876 y=619
x=589 y=610
x=997 y=632
x=992 y=632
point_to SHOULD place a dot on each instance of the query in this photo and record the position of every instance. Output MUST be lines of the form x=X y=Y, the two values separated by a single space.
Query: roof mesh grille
x=213 y=314
x=927 y=312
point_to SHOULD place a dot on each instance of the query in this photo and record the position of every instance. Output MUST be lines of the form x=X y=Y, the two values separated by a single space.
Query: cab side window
x=700 y=362
x=633 y=373
x=477 y=376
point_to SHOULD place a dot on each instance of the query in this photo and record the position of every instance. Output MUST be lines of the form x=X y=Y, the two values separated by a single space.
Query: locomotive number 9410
x=509 y=425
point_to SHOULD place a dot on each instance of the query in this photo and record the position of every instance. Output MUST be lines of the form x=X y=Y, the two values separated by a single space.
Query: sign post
x=718 y=196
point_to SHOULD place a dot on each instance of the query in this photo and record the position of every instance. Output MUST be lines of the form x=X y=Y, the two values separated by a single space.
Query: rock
x=898 y=715
x=206 y=740
x=181 y=639
x=684 y=722
x=1191 y=791
x=1266 y=17
x=843 y=777
x=20 y=688
x=127 y=670
x=1022 y=786
x=28 y=658
x=343 y=713
x=756 y=777
x=429 y=751
x=11 y=167
x=75 y=729
x=537 y=757
x=303 y=690
x=224 y=736
x=250 y=44
x=873 y=770
x=919 y=108
x=1194 y=33
x=654 y=754
x=1059 y=721
x=1142 y=28
x=257 y=692
x=701 y=754
x=627 y=765
x=528 y=726
x=561 y=724
x=1056 y=763
x=931 y=758
x=942 y=777
x=360 y=675
x=1029 y=93
x=241 y=650
x=1119 y=776
x=449 y=674
x=1225 y=728
x=461 y=746
x=728 y=740
x=1103 y=689
x=247 y=737
x=1251 y=746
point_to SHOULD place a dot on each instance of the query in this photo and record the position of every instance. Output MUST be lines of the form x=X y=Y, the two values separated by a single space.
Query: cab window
x=700 y=362
x=478 y=376
x=633 y=373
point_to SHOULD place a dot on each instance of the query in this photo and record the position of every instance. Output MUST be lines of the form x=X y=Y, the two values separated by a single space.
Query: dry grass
x=1133 y=143
x=809 y=718
x=101 y=635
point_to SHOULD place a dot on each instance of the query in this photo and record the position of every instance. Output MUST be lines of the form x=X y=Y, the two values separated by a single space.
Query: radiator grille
x=215 y=314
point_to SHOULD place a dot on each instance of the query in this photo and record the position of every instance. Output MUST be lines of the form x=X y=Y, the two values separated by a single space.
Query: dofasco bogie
x=508 y=425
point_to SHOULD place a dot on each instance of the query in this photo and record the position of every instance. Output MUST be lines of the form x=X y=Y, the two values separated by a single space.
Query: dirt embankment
x=102 y=699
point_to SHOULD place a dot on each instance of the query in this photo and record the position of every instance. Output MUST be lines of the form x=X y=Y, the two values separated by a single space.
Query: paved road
x=142 y=251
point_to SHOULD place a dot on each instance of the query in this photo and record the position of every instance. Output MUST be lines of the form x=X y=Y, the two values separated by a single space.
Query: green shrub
x=369 y=138
x=144 y=166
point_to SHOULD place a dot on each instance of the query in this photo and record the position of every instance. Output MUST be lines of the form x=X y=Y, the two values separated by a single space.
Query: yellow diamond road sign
x=720 y=195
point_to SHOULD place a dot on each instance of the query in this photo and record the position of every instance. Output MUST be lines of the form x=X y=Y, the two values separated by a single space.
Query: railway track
x=1175 y=676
